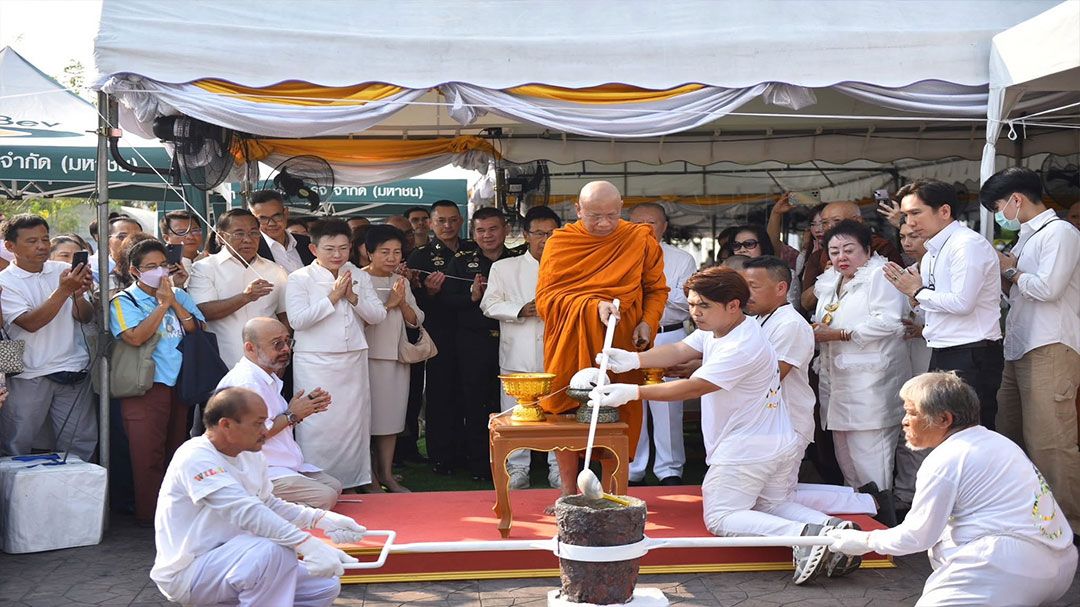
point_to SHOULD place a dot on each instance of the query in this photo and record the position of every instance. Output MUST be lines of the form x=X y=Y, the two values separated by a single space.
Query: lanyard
x=770 y=314
x=1028 y=241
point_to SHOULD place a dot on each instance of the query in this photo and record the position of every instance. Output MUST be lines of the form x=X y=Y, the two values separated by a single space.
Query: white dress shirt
x=285 y=255
x=59 y=345
x=511 y=285
x=283 y=455
x=221 y=276
x=1044 y=304
x=963 y=305
x=322 y=326
x=678 y=266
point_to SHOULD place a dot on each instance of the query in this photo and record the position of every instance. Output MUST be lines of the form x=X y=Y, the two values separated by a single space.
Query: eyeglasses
x=195 y=230
x=599 y=216
x=817 y=224
x=152 y=267
x=277 y=218
x=540 y=234
x=242 y=235
x=746 y=244
x=280 y=345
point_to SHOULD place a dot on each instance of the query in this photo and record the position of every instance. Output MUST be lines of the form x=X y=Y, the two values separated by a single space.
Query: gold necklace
x=835 y=305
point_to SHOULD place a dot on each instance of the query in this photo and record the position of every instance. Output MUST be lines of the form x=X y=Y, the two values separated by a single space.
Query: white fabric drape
x=148 y=99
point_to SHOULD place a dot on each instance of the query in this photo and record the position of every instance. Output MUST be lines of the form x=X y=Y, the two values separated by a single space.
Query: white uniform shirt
x=221 y=276
x=1044 y=304
x=977 y=483
x=963 y=307
x=678 y=266
x=511 y=285
x=206 y=499
x=59 y=345
x=745 y=421
x=283 y=455
x=322 y=326
x=285 y=256
x=793 y=340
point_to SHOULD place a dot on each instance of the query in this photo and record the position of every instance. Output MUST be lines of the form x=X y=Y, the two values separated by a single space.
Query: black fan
x=522 y=186
x=304 y=179
x=1061 y=178
x=201 y=151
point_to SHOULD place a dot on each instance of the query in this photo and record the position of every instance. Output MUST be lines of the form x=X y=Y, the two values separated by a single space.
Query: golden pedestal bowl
x=653 y=375
x=527 y=389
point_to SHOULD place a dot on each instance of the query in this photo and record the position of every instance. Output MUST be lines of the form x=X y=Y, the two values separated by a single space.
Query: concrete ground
x=116 y=573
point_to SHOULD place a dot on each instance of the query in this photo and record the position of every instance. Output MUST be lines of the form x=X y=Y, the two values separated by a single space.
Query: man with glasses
x=235 y=285
x=586 y=265
x=510 y=298
x=267 y=350
x=182 y=228
x=288 y=250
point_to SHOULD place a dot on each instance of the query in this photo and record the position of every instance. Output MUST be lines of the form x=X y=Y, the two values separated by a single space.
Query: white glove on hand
x=620 y=361
x=613 y=395
x=340 y=528
x=322 y=560
x=849 y=541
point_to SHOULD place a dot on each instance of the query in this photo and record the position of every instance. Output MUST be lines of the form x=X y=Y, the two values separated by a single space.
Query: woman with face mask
x=156 y=422
x=864 y=359
x=390 y=394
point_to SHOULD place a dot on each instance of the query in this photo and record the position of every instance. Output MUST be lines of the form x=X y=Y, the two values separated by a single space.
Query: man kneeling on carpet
x=991 y=527
x=749 y=441
x=221 y=535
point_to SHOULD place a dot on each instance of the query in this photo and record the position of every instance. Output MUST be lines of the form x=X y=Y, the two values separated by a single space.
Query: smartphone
x=79 y=257
x=882 y=196
x=173 y=254
x=806 y=199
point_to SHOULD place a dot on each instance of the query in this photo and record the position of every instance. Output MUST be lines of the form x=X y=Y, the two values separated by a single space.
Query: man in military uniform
x=477 y=335
x=444 y=400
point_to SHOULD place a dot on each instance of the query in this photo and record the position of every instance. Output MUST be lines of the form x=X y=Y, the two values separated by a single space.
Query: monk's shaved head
x=598 y=207
x=835 y=212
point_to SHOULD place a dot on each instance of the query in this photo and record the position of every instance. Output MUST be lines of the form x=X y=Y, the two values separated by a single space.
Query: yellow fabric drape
x=367 y=151
x=603 y=94
x=302 y=93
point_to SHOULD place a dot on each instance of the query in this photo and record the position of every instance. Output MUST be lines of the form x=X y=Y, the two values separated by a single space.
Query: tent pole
x=107 y=109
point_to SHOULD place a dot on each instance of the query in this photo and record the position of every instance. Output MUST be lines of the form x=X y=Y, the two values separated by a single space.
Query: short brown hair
x=719 y=284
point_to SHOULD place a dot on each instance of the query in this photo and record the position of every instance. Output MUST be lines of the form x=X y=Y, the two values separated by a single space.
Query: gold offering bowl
x=527 y=389
x=653 y=375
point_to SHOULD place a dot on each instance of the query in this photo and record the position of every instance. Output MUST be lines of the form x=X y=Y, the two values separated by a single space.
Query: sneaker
x=519 y=478
x=839 y=564
x=809 y=560
x=554 y=480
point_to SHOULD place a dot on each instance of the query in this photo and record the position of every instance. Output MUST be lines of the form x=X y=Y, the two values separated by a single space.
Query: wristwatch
x=292 y=418
x=1010 y=273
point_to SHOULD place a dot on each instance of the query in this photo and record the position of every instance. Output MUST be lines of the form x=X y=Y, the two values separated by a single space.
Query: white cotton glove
x=849 y=541
x=340 y=528
x=613 y=395
x=620 y=361
x=322 y=560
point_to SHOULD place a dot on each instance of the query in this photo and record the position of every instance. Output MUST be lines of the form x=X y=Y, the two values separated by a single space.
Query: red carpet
x=467 y=515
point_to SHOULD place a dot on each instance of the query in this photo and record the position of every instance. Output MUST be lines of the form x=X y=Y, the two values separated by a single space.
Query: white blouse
x=321 y=326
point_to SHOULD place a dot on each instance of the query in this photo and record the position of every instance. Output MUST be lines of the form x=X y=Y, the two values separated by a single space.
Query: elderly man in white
x=223 y=538
x=510 y=298
x=667 y=426
x=267 y=349
x=986 y=516
x=329 y=302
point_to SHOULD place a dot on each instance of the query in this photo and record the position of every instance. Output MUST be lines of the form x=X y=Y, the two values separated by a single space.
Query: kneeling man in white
x=991 y=527
x=223 y=538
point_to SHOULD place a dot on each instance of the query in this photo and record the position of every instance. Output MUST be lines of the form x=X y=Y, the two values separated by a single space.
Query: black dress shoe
x=640 y=483
x=671 y=481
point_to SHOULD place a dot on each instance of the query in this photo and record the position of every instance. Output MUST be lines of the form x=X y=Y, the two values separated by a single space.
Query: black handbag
x=202 y=368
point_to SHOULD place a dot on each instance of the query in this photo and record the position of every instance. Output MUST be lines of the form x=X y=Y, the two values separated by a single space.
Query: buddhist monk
x=586 y=265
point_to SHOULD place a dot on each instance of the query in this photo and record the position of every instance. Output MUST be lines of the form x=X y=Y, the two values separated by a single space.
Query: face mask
x=1011 y=225
x=153 y=278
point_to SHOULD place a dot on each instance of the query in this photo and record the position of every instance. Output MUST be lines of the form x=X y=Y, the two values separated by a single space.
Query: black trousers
x=478 y=360
x=443 y=413
x=980 y=365
x=406 y=445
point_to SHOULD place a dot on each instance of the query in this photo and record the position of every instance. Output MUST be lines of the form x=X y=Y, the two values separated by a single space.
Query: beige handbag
x=410 y=352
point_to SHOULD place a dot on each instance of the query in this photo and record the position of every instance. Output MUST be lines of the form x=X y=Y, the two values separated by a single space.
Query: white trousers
x=755 y=499
x=667 y=432
x=520 y=458
x=867 y=455
x=253 y=571
x=827 y=498
x=1000 y=571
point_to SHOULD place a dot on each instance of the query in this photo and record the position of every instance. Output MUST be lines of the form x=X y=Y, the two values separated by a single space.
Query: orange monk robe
x=577 y=272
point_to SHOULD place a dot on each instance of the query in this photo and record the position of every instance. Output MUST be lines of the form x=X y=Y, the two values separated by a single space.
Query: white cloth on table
x=283 y=455
x=511 y=285
x=867 y=455
x=667 y=428
x=1044 y=304
x=390 y=392
x=221 y=276
x=285 y=255
x=962 y=307
x=745 y=420
x=989 y=523
x=793 y=340
x=209 y=498
x=57 y=346
x=860 y=379
x=337 y=440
